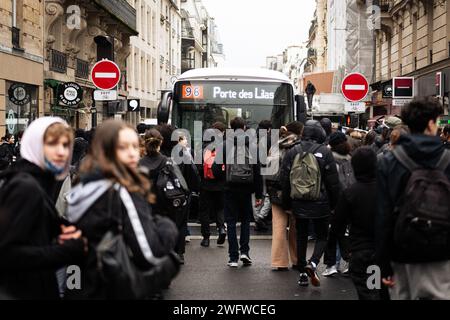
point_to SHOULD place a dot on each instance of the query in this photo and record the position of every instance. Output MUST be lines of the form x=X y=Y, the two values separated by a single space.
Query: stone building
x=155 y=53
x=21 y=63
x=77 y=34
x=413 y=41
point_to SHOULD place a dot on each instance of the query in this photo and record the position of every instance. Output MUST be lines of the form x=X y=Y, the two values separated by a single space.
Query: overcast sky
x=250 y=30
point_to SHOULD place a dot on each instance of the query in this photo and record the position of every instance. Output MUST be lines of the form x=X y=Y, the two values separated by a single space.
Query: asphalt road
x=206 y=276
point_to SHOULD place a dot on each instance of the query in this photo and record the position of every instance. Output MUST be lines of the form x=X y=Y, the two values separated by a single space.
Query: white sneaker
x=246 y=260
x=233 y=264
x=330 y=271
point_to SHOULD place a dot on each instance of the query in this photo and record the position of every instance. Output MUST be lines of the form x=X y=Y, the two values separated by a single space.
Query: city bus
x=213 y=94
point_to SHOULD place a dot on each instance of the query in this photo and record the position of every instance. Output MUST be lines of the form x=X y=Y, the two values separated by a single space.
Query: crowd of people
x=116 y=203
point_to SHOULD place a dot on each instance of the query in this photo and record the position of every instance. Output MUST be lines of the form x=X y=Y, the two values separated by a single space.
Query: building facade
x=200 y=47
x=22 y=63
x=155 y=55
x=77 y=34
x=412 y=41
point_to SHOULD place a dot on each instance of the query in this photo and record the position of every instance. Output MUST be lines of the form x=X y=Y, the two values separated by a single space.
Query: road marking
x=105 y=75
x=355 y=87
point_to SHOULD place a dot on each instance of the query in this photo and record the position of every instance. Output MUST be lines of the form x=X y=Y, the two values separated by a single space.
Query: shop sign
x=19 y=94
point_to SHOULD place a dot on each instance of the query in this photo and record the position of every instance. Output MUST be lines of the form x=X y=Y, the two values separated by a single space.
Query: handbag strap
x=135 y=223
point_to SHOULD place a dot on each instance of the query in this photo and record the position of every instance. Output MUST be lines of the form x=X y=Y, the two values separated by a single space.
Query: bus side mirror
x=300 y=108
x=164 y=108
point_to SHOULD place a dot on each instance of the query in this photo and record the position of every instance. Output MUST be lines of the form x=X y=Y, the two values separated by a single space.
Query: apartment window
x=400 y=47
x=143 y=79
x=142 y=23
x=149 y=76
x=136 y=72
x=154 y=28
x=414 y=43
x=154 y=76
x=149 y=26
x=17 y=8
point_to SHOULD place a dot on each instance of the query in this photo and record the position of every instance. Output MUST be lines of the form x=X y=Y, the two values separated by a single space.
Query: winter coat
x=29 y=227
x=154 y=164
x=80 y=149
x=96 y=208
x=357 y=207
x=330 y=182
x=392 y=178
x=6 y=155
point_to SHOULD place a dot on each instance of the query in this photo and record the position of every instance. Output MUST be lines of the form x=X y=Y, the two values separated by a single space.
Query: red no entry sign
x=355 y=87
x=105 y=75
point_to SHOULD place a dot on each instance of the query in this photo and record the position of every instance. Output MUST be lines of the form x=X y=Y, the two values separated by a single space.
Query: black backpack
x=345 y=172
x=422 y=228
x=240 y=173
x=171 y=187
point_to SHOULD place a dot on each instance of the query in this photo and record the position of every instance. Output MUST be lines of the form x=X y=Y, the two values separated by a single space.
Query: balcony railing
x=187 y=33
x=58 y=61
x=383 y=4
x=82 y=70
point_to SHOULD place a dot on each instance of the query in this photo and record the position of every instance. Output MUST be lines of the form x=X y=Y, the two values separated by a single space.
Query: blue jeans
x=238 y=205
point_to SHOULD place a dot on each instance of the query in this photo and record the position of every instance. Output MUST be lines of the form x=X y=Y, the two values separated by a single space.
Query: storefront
x=21 y=101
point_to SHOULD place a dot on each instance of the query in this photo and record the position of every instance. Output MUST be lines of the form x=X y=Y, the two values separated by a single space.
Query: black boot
x=222 y=236
x=205 y=242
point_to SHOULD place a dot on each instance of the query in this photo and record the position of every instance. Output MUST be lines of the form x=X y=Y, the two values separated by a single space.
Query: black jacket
x=29 y=227
x=106 y=214
x=357 y=207
x=6 y=155
x=330 y=182
x=392 y=178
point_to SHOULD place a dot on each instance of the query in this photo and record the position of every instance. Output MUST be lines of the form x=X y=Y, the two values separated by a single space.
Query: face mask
x=53 y=169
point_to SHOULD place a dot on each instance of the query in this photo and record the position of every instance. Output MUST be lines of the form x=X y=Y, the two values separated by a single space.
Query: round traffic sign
x=105 y=75
x=355 y=87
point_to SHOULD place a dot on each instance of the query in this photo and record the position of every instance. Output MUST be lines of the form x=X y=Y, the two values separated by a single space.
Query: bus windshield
x=211 y=102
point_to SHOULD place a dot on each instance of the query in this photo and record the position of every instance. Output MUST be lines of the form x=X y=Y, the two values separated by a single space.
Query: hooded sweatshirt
x=392 y=178
x=29 y=223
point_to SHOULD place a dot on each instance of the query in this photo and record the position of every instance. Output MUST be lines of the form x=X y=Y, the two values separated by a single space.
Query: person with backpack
x=310 y=190
x=327 y=125
x=413 y=216
x=169 y=186
x=211 y=195
x=341 y=152
x=190 y=174
x=262 y=214
x=111 y=206
x=284 y=243
x=241 y=181
x=357 y=207
x=34 y=241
